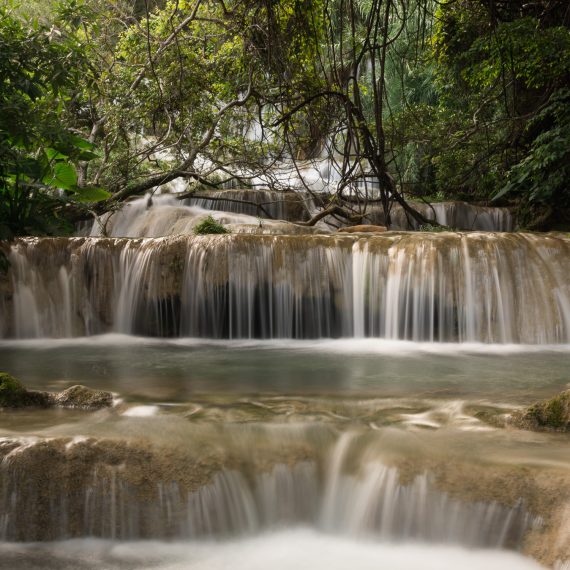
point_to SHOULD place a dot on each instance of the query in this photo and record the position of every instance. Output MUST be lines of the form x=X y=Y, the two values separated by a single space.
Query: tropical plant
x=39 y=69
x=210 y=226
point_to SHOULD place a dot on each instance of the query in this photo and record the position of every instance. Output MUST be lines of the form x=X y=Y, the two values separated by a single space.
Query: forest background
x=103 y=100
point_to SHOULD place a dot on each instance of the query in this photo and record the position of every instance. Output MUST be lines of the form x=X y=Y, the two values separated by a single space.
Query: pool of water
x=255 y=404
x=176 y=370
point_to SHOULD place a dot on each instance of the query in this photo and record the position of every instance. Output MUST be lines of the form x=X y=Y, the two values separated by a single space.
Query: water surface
x=175 y=370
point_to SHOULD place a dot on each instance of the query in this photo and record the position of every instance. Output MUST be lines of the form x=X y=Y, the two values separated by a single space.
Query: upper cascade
x=165 y=215
x=428 y=287
x=266 y=212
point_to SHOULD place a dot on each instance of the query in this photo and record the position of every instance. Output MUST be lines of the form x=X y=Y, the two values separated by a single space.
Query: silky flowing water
x=287 y=401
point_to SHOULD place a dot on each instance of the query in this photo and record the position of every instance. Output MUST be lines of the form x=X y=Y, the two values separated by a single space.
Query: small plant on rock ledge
x=210 y=226
x=434 y=228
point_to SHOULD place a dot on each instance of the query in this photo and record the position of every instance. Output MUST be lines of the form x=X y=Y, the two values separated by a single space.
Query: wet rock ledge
x=13 y=394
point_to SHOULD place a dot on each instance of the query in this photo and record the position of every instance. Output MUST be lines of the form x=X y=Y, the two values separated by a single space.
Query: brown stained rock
x=369 y=229
x=77 y=481
x=545 y=494
x=82 y=397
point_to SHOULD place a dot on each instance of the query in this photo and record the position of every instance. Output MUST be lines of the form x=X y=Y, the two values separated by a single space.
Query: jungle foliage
x=39 y=149
x=460 y=99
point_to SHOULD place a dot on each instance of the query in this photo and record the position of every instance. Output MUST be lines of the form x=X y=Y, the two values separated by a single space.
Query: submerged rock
x=13 y=394
x=547 y=415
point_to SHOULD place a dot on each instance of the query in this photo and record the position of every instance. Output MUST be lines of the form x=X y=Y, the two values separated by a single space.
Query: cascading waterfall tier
x=458 y=215
x=434 y=287
x=57 y=489
x=246 y=211
x=166 y=215
x=290 y=206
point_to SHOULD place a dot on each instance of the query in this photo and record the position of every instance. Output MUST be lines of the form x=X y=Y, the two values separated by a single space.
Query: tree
x=400 y=99
x=500 y=71
x=176 y=98
x=353 y=64
x=202 y=76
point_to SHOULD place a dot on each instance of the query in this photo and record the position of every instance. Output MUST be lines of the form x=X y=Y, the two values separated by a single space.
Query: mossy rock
x=13 y=394
x=548 y=415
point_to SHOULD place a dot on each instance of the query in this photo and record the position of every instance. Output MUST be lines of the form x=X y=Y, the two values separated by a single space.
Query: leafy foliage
x=209 y=226
x=498 y=126
x=432 y=228
x=38 y=153
x=542 y=176
x=454 y=99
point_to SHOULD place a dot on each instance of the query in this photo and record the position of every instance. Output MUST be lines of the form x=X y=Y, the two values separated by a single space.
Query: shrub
x=209 y=226
x=434 y=228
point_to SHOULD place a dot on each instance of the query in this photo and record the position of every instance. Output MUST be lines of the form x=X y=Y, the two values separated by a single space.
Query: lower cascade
x=86 y=493
x=434 y=287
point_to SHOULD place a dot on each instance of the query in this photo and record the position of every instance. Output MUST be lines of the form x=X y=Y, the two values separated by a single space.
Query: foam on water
x=348 y=346
x=301 y=549
x=141 y=411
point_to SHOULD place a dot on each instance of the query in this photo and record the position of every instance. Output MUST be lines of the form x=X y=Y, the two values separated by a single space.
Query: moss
x=551 y=413
x=548 y=415
x=12 y=392
x=210 y=226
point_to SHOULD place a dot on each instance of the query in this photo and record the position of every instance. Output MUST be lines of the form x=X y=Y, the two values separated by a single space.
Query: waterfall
x=164 y=215
x=372 y=502
x=158 y=216
x=457 y=215
x=446 y=287
x=290 y=206
x=87 y=492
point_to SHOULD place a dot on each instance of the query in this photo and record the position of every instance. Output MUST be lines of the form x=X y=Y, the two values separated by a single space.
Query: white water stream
x=446 y=287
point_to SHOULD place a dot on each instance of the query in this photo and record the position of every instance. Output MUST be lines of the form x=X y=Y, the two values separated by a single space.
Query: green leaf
x=63 y=176
x=78 y=142
x=87 y=155
x=91 y=194
x=54 y=154
x=503 y=191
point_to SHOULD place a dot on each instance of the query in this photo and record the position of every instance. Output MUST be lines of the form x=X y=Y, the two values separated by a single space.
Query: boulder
x=369 y=229
x=13 y=394
x=83 y=397
x=547 y=415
